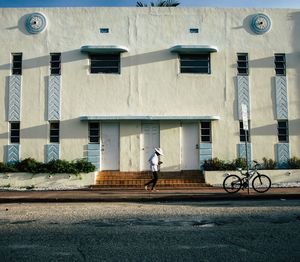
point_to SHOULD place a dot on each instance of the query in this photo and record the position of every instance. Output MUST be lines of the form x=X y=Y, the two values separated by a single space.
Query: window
x=243 y=132
x=54 y=132
x=55 y=63
x=194 y=30
x=280 y=64
x=242 y=64
x=104 y=30
x=17 y=64
x=205 y=132
x=283 y=134
x=105 y=63
x=195 y=63
x=15 y=132
x=94 y=132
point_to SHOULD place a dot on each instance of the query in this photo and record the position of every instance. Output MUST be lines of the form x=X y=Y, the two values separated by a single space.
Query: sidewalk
x=139 y=195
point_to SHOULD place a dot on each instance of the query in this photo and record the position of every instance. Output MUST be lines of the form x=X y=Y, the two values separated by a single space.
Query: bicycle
x=261 y=183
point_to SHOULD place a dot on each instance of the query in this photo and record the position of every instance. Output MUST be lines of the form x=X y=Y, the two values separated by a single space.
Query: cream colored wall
x=149 y=83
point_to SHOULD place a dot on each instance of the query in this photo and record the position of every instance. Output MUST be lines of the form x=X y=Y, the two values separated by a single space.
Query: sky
x=132 y=3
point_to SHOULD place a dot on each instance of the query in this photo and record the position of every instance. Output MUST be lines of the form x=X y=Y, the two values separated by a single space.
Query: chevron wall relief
x=13 y=153
x=54 y=86
x=281 y=97
x=243 y=94
x=283 y=154
x=93 y=154
x=205 y=152
x=242 y=151
x=14 y=98
x=52 y=152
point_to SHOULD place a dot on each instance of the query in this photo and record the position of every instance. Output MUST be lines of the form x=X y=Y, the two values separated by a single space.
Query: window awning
x=153 y=118
x=103 y=49
x=193 y=49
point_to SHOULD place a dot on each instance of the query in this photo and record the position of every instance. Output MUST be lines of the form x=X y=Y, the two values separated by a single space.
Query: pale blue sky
x=187 y=3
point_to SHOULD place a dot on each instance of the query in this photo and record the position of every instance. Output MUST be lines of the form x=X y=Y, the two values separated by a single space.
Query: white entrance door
x=110 y=151
x=149 y=140
x=189 y=146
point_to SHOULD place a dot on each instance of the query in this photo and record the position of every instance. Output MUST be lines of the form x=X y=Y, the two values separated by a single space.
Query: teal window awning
x=148 y=117
x=103 y=49
x=193 y=49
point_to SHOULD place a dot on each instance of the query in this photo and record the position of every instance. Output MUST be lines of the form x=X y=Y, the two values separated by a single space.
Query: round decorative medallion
x=35 y=23
x=260 y=24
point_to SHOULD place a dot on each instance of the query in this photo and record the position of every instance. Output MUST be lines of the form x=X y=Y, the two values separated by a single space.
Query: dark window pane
x=205 y=138
x=242 y=64
x=54 y=132
x=55 y=71
x=15 y=132
x=280 y=64
x=94 y=139
x=195 y=63
x=54 y=125
x=205 y=124
x=17 y=64
x=15 y=140
x=94 y=132
x=105 y=63
x=54 y=139
x=15 y=125
x=94 y=125
x=55 y=64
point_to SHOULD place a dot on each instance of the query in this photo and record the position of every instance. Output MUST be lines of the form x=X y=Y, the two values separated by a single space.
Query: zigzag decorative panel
x=205 y=152
x=93 y=154
x=243 y=94
x=13 y=153
x=242 y=151
x=14 y=98
x=281 y=97
x=283 y=154
x=54 y=97
x=52 y=152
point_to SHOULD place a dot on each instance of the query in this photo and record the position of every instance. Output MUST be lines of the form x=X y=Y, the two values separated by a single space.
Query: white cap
x=159 y=150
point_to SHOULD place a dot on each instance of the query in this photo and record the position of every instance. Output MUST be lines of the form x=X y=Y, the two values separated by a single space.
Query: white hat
x=159 y=150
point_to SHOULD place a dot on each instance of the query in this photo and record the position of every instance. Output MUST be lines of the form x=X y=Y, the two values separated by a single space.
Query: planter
x=282 y=177
x=46 y=181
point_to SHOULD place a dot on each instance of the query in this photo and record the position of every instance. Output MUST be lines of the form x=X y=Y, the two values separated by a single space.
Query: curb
x=150 y=198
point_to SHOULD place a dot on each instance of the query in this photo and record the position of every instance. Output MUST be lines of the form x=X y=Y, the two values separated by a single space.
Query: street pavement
x=211 y=231
x=139 y=195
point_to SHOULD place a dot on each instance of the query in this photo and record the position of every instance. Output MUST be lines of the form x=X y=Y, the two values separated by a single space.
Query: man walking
x=154 y=163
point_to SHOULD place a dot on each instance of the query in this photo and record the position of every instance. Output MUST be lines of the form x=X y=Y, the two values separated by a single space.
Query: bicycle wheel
x=261 y=183
x=232 y=184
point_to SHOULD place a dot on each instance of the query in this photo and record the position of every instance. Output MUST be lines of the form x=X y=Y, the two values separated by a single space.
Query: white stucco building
x=110 y=84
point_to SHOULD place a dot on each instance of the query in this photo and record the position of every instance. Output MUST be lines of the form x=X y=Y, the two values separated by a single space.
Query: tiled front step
x=159 y=186
x=144 y=181
x=115 y=175
x=169 y=180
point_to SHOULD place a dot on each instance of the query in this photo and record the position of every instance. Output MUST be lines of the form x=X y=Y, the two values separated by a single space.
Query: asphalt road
x=174 y=231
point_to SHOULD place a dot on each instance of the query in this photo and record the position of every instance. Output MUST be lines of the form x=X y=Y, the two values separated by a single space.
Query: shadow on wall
x=69 y=130
x=76 y=55
x=67 y=57
x=271 y=130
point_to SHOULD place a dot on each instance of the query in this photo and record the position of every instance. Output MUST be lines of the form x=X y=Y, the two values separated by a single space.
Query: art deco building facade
x=110 y=84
